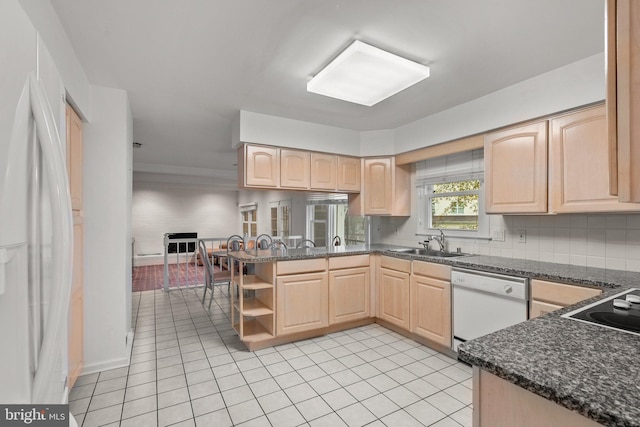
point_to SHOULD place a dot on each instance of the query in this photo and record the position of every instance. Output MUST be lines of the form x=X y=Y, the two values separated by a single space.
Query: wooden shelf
x=254 y=282
x=254 y=331
x=254 y=307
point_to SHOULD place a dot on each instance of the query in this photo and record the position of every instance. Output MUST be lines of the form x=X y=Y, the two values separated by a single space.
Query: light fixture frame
x=351 y=76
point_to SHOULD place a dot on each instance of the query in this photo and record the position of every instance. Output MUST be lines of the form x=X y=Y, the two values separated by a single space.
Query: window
x=329 y=217
x=249 y=214
x=451 y=195
x=454 y=205
x=281 y=218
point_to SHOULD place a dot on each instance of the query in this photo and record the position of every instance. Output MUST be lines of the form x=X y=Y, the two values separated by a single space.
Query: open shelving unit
x=253 y=302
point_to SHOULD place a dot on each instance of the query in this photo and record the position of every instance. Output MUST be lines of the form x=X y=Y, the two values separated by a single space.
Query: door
x=393 y=304
x=324 y=171
x=349 y=174
x=431 y=309
x=580 y=164
x=302 y=303
x=516 y=169
x=262 y=166
x=377 y=186
x=294 y=169
x=348 y=294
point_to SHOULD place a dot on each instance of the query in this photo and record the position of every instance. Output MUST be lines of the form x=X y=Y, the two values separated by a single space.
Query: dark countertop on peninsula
x=586 y=368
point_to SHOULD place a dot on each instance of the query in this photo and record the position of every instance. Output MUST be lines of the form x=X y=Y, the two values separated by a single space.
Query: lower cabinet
x=550 y=296
x=348 y=294
x=431 y=302
x=393 y=291
x=302 y=302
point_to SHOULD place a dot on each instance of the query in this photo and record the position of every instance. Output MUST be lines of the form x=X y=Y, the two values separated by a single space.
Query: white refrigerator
x=35 y=224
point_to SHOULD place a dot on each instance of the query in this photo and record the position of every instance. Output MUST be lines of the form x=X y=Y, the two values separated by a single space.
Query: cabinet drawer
x=353 y=261
x=301 y=266
x=430 y=269
x=559 y=293
x=395 y=264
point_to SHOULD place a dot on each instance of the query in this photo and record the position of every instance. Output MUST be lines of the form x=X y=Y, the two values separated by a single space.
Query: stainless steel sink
x=428 y=252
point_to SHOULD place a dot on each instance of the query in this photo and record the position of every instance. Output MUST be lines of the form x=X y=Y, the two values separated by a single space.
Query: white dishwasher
x=486 y=302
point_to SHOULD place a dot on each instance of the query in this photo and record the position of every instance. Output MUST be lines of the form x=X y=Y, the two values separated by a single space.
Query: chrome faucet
x=439 y=239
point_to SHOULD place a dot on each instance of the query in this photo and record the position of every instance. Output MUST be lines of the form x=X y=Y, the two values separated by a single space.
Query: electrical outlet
x=522 y=236
x=498 y=235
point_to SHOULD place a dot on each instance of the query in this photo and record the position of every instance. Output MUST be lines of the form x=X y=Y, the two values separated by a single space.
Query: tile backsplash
x=599 y=240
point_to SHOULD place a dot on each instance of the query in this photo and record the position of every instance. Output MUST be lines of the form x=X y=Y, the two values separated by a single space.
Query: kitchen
x=548 y=92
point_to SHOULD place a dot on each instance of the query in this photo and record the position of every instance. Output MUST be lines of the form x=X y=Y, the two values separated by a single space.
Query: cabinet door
x=302 y=303
x=349 y=174
x=348 y=294
x=624 y=84
x=393 y=303
x=538 y=308
x=294 y=169
x=76 y=332
x=74 y=157
x=378 y=194
x=262 y=166
x=516 y=169
x=580 y=164
x=324 y=171
x=431 y=309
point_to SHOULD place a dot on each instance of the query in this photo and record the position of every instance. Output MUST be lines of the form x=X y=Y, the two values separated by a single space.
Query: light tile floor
x=188 y=368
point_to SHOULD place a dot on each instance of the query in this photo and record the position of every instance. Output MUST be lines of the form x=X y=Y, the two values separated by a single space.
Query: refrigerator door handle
x=54 y=165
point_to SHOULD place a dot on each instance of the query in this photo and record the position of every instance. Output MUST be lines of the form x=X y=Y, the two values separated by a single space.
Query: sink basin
x=427 y=252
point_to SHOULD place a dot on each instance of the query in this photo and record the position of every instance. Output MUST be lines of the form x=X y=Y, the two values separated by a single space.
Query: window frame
x=425 y=195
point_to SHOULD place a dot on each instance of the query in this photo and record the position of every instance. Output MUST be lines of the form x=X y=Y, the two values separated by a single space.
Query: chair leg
x=204 y=294
x=211 y=297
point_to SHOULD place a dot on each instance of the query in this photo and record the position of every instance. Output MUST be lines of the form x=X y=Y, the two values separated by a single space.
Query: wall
x=579 y=83
x=45 y=19
x=598 y=240
x=162 y=208
x=107 y=182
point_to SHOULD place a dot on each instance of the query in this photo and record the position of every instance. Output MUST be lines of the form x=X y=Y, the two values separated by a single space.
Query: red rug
x=151 y=277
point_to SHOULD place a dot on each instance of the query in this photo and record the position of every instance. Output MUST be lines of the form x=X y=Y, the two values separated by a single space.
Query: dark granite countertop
x=591 y=370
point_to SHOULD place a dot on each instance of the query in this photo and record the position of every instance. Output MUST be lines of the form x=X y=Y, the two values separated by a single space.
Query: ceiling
x=189 y=66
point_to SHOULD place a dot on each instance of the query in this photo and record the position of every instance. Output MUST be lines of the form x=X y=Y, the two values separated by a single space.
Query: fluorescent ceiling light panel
x=366 y=75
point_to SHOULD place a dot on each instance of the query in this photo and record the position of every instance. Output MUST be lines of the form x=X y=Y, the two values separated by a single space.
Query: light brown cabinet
x=75 y=352
x=302 y=296
x=324 y=171
x=623 y=98
x=579 y=164
x=516 y=169
x=349 y=171
x=549 y=296
x=500 y=403
x=349 y=288
x=261 y=166
x=393 y=291
x=295 y=169
x=386 y=189
x=431 y=302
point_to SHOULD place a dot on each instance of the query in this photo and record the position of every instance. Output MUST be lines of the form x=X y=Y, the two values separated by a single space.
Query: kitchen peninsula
x=567 y=364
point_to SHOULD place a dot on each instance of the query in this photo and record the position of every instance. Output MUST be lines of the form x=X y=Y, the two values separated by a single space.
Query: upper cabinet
x=349 y=174
x=294 y=169
x=386 y=189
x=516 y=169
x=324 y=171
x=275 y=168
x=579 y=164
x=261 y=166
x=623 y=98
